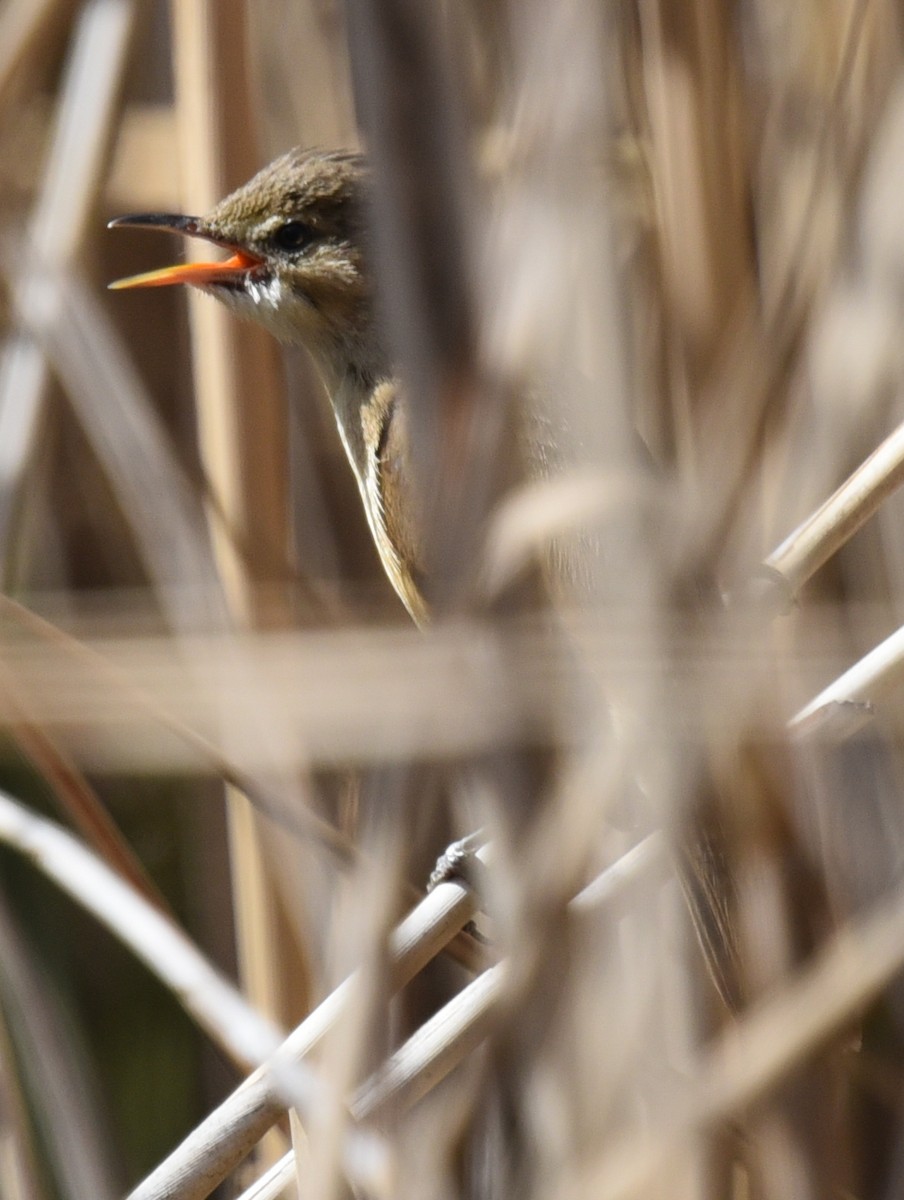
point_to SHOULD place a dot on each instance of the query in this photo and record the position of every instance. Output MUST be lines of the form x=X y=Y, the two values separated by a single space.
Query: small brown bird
x=297 y=233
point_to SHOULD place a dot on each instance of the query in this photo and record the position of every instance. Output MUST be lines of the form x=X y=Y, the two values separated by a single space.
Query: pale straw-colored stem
x=231 y=1131
x=223 y=1139
x=849 y=701
x=836 y=521
x=209 y=997
x=753 y=1054
x=85 y=116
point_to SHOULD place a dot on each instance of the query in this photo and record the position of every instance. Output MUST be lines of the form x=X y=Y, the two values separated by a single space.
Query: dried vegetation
x=668 y=234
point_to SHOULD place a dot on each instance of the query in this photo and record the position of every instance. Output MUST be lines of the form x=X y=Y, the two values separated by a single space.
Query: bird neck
x=351 y=373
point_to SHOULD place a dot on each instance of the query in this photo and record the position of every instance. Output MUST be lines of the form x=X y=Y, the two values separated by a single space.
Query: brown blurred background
x=681 y=247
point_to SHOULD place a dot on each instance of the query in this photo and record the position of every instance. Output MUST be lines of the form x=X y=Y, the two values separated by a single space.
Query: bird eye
x=294 y=235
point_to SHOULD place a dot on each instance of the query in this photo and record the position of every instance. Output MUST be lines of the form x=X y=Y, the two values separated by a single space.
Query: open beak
x=230 y=270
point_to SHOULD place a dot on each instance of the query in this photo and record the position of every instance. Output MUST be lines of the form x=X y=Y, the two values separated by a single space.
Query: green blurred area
x=150 y=1073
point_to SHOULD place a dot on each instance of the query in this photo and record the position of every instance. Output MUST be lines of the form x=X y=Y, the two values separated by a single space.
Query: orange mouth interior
x=197 y=273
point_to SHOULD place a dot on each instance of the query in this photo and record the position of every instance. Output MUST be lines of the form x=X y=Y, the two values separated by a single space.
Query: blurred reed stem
x=243 y=439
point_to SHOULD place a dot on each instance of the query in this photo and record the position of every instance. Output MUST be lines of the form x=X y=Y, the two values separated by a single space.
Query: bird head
x=296 y=233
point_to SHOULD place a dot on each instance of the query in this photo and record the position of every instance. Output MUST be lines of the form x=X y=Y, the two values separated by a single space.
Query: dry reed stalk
x=274 y=1182
x=823 y=534
x=72 y=179
x=447 y=698
x=215 y=1004
x=147 y=684
x=302 y=90
x=222 y=1011
x=215 y=1148
x=219 y=1008
x=713 y=312
x=201 y=752
x=243 y=443
x=746 y=1062
x=423 y=204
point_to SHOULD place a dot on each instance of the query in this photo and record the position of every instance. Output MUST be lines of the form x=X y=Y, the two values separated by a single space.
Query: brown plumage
x=298 y=236
x=299 y=267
